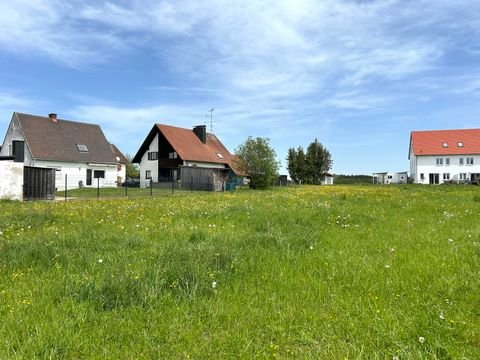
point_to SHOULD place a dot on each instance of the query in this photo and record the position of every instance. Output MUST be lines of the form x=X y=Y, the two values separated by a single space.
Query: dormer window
x=445 y=145
x=460 y=144
x=82 y=148
x=220 y=155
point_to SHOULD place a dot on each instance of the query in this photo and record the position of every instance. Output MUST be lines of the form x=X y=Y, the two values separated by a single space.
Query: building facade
x=443 y=156
x=78 y=151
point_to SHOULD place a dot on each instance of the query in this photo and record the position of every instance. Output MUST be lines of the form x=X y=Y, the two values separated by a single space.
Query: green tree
x=292 y=165
x=319 y=162
x=258 y=159
x=131 y=170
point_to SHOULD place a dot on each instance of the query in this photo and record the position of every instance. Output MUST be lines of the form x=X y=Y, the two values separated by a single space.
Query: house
x=78 y=151
x=390 y=178
x=440 y=156
x=194 y=158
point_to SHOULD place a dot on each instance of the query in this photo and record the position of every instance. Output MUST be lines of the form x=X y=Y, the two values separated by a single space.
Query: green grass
x=342 y=272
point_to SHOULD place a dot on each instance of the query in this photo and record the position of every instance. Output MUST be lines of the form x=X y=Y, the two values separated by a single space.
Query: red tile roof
x=190 y=148
x=433 y=142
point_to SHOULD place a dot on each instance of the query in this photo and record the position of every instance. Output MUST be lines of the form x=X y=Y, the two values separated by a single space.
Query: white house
x=193 y=157
x=440 y=156
x=390 y=178
x=78 y=151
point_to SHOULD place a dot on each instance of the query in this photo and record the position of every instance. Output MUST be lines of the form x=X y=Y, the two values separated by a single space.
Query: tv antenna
x=211 y=119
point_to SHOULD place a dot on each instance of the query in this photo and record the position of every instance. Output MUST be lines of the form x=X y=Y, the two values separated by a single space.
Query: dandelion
x=421 y=339
x=100 y=261
x=214 y=284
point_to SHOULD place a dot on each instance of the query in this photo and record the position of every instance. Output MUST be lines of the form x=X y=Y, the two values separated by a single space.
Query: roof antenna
x=211 y=119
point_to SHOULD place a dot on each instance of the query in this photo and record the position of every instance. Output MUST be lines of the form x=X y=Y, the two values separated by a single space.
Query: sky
x=357 y=75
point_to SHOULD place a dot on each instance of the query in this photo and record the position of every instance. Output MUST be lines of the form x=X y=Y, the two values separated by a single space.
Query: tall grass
x=300 y=272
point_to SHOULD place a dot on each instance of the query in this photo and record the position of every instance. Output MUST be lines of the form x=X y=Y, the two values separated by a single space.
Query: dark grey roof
x=49 y=140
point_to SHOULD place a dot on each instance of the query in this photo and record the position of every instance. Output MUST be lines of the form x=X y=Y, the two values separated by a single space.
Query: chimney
x=53 y=117
x=201 y=132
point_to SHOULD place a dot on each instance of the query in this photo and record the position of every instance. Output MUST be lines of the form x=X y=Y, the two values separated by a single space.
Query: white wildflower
x=442 y=315
x=387 y=266
x=421 y=339
x=311 y=247
x=214 y=284
x=450 y=240
x=100 y=261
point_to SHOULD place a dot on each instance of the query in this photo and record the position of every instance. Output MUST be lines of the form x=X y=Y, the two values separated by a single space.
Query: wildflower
x=387 y=266
x=421 y=339
x=311 y=247
x=100 y=261
x=442 y=315
x=450 y=240
x=214 y=284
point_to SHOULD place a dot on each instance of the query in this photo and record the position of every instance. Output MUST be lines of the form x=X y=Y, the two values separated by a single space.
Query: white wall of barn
x=11 y=180
x=149 y=165
x=428 y=165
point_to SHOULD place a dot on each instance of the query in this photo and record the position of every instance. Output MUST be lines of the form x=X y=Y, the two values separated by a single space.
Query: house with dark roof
x=193 y=158
x=78 y=151
x=439 y=156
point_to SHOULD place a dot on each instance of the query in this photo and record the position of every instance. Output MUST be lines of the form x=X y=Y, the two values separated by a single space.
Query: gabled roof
x=58 y=141
x=445 y=142
x=189 y=147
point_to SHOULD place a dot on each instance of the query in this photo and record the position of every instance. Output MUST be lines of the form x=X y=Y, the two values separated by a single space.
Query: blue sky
x=357 y=75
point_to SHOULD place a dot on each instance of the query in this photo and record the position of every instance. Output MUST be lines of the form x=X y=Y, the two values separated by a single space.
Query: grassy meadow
x=340 y=272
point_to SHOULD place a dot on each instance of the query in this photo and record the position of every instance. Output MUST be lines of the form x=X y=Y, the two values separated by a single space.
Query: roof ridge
x=58 y=119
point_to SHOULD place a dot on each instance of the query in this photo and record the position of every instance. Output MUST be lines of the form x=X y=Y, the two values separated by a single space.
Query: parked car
x=131 y=183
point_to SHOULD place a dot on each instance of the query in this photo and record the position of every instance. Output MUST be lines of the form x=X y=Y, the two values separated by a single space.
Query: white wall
x=151 y=165
x=11 y=180
x=427 y=165
x=14 y=133
x=77 y=172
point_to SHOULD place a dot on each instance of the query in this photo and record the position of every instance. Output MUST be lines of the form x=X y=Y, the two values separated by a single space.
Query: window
x=439 y=161
x=99 y=174
x=220 y=155
x=445 y=145
x=462 y=176
x=172 y=155
x=148 y=174
x=460 y=161
x=447 y=161
x=153 y=155
x=446 y=176
x=460 y=144
x=422 y=176
x=470 y=161
x=82 y=148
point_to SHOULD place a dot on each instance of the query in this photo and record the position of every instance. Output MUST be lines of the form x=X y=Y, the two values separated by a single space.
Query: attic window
x=82 y=147
x=220 y=155
x=445 y=145
x=460 y=144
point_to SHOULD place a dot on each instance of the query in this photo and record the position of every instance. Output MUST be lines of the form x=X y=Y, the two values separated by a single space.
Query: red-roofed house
x=440 y=156
x=194 y=157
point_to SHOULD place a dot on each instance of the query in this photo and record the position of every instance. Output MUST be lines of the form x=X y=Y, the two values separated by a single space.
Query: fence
x=96 y=191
